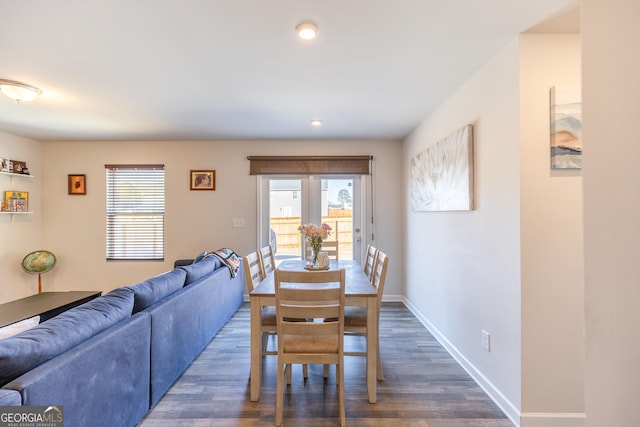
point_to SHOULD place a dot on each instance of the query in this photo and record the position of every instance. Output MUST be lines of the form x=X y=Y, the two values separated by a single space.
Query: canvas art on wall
x=566 y=127
x=442 y=175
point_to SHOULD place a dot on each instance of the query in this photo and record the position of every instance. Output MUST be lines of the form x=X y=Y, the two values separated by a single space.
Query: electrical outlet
x=486 y=340
x=238 y=222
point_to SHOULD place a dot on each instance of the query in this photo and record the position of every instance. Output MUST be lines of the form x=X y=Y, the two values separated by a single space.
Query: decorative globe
x=38 y=262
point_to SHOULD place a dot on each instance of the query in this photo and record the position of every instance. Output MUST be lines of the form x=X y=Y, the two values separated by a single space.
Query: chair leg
x=340 y=380
x=380 y=373
x=326 y=371
x=305 y=371
x=279 y=394
x=287 y=373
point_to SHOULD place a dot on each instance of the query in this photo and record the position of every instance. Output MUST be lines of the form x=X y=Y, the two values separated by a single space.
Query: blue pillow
x=200 y=269
x=153 y=290
x=199 y=257
x=25 y=351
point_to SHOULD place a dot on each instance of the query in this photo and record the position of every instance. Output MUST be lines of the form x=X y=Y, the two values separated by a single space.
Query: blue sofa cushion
x=200 y=269
x=103 y=382
x=153 y=290
x=10 y=398
x=29 y=349
x=200 y=257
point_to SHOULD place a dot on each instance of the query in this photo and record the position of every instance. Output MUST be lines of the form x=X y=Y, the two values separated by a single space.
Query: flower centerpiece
x=315 y=235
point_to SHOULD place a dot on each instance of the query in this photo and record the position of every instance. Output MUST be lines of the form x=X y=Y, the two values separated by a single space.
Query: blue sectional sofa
x=111 y=359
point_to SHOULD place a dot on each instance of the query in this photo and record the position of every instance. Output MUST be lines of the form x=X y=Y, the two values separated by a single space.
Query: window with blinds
x=135 y=212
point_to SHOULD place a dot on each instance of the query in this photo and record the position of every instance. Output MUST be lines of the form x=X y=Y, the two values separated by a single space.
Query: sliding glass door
x=286 y=202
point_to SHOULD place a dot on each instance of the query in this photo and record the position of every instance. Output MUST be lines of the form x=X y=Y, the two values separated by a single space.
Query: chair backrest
x=305 y=295
x=252 y=270
x=380 y=274
x=370 y=261
x=328 y=246
x=267 y=260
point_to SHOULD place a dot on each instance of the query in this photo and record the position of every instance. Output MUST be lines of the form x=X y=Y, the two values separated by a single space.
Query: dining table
x=358 y=292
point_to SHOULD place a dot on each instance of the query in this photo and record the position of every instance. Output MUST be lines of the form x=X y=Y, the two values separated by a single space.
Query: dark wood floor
x=423 y=387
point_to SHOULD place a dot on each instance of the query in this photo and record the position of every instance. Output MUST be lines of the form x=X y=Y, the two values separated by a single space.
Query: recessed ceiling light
x=307 y=30
x=19 y=91
x=316 y=123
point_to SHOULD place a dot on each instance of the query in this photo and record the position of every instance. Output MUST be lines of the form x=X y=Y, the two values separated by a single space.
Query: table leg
x=372 y=345
x=256 y=352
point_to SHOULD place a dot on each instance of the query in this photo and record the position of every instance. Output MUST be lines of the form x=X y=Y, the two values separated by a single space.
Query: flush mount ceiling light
x=19 y=91
x=307 y=30
x=316 y=123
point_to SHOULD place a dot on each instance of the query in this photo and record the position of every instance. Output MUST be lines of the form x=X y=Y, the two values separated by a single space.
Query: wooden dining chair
x=267 y=260
x=355 y=318
x=310 y=342
x=370 y=261
x=328 y=246
x=253 y=274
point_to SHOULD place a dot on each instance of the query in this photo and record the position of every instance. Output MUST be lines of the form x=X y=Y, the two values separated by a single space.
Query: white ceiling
x=233 y=69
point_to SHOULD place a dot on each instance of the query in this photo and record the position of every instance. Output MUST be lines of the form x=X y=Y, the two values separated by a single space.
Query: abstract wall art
x=442 y=175
x=566 y=127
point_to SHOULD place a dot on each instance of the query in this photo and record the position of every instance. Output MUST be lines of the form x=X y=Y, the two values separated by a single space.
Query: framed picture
x=6 y=164
x=442 y=175
x=77 y=184
x=566 y=127
x=202 y=180
x=17 y=166
x=16 y=201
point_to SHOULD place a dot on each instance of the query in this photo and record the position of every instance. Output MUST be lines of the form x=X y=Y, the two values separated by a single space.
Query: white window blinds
x=135 y=212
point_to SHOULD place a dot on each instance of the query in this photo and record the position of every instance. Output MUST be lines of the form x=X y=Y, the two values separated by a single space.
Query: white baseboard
x=525 y=419
x=503 y=403
x=536 y=419
x=393 y=298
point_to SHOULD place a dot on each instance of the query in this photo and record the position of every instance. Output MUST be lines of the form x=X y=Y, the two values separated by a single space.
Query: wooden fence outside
x=288 y=239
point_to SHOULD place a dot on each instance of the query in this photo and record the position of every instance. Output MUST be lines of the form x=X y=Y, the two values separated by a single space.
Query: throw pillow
x=153 y=290
x=21 y=326
x=200 y=257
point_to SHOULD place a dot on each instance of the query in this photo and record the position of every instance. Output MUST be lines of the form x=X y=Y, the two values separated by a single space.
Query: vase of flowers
x=315 y=235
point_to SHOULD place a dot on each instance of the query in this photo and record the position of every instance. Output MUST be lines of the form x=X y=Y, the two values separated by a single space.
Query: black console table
x=46 y=304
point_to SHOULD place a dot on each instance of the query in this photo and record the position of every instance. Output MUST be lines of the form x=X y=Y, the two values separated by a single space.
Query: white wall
x=551 y=242
x=463 y=268
x=513 y=266
x=611 y=94
x=195 y=220
x=20 y=234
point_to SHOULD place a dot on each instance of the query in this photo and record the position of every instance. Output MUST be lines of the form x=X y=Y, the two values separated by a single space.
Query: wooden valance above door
x=310 y=165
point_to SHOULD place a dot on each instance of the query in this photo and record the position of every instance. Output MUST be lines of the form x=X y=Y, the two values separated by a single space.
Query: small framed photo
x=16 y=201
x=202 y=180
x=77 y=184
x=17 y=166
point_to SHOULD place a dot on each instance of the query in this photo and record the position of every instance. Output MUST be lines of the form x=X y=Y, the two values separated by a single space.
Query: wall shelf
x=16 y=175
x=13 y=175
x=15 y=213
